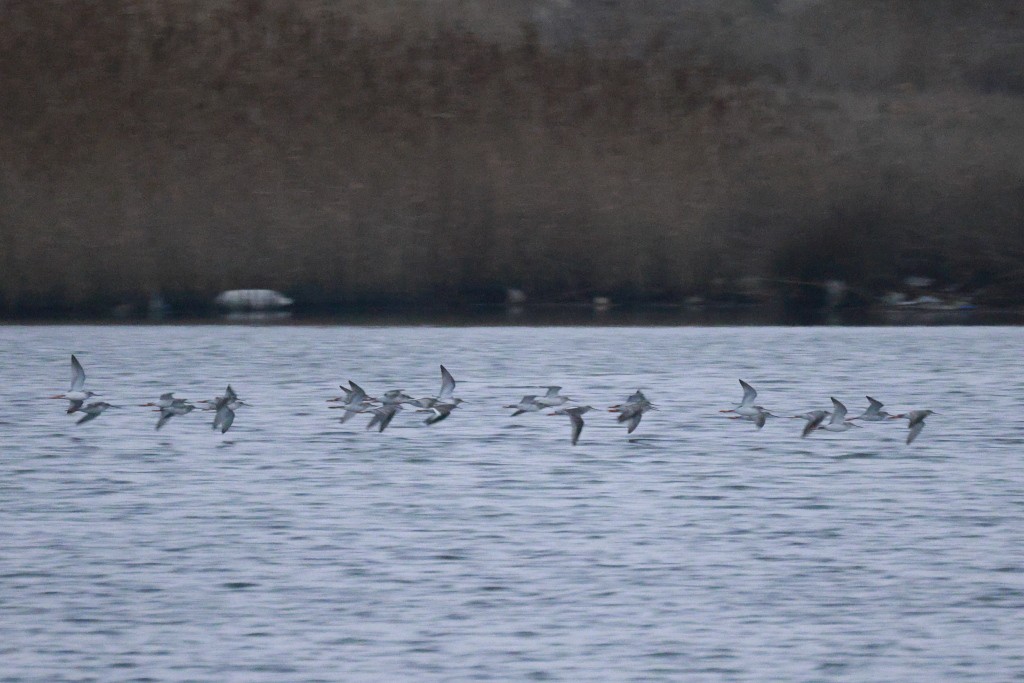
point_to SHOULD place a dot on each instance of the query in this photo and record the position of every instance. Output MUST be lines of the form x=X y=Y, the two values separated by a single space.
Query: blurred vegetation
x=406 y=152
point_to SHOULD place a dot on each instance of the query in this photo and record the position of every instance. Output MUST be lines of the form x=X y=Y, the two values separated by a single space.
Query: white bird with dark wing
x=838 y=423
x=552 y=398
x=440 y=411
x=915 y=422
x=746 y=408
x=814 y=419
x=758 y=417
x=348 y=394
x=632 y=410
x=395 y=397
x=177 y=406
x=76 y=395
x=383 y=415
x=93 y=410
x=576 y=418
x=443 y=396
x=225 y=407
x=355 y=401
x=225 y=416
x=874 y=412
x=164 y=401
x=528 y=404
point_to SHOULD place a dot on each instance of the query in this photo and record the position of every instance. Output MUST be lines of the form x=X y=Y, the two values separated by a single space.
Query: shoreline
x=552 y=315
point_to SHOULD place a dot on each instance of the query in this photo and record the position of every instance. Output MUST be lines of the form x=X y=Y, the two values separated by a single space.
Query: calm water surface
x=487 y=547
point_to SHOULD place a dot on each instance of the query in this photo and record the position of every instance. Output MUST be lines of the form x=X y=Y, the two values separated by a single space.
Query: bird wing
x=356 y=395
x=447 y=385
x=227 y=419
x=875 y=405
x=762 y=417
x=526 y=404
x=917 y=417
x=838 y=412
x=74 y=406
x=77 y=374
x=389 y=415
x=749 y=394
x=577 y=426
x=634 y=421
x=439 y=413
x=223 y=413
x=349 y=413
x=553 y=391
x=87 y=417
x=629 y=411
x=165 y=415
x=915 y=429
x=817 y=417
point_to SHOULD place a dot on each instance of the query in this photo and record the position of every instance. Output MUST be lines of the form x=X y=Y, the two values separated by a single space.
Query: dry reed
x=351 y=156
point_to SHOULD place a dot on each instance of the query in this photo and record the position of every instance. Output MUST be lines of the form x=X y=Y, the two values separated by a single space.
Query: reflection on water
x=487 y=547
x=257 y=316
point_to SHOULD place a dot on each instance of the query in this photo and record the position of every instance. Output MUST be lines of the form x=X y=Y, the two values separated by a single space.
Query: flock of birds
x=356 y=401
x=838 y=421
x=224 y=406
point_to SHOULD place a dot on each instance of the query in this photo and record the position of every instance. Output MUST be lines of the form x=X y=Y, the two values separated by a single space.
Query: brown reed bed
x=350 y=156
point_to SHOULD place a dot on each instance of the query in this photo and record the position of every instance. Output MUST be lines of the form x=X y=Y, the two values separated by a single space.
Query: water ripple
x=486 y=547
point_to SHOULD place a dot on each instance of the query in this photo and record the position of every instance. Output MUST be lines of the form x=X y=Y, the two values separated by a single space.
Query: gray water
x=487 y=547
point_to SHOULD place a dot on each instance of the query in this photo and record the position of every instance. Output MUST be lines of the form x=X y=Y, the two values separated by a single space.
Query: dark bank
x=433 y=158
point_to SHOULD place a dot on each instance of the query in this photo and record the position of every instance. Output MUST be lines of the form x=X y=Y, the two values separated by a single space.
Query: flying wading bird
x=575 y=418
x=915 y=422
x=225 y=407
x=632 y=410
x=93 y=410
x=76 y=395
x=441 y=406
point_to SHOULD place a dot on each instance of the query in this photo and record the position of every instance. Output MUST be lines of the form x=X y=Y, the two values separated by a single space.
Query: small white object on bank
x=252 y=299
